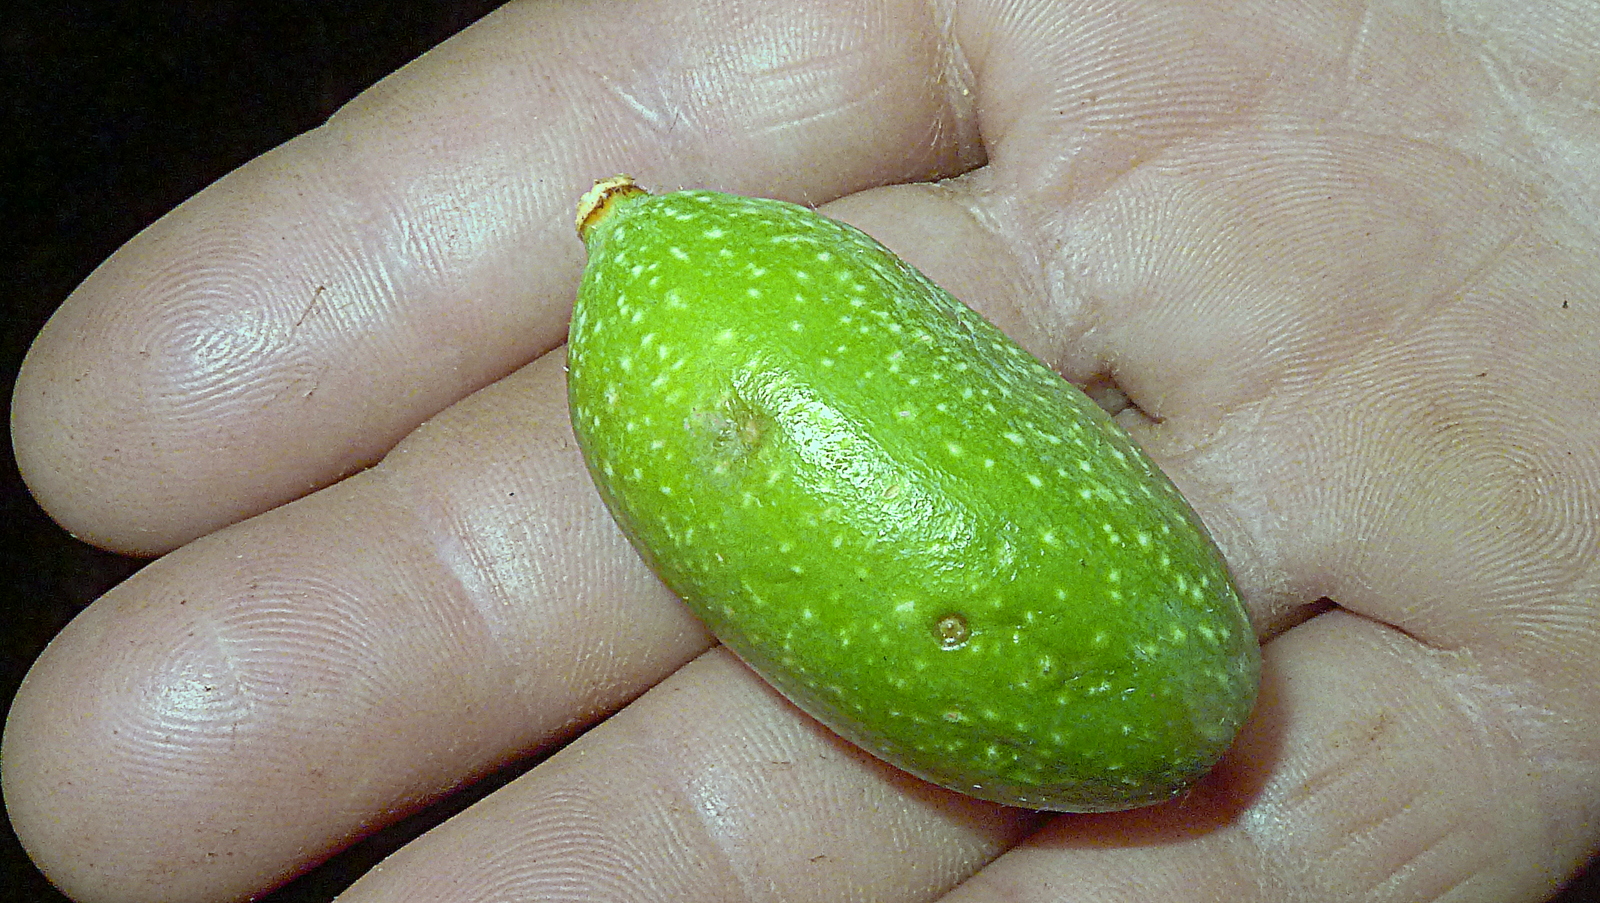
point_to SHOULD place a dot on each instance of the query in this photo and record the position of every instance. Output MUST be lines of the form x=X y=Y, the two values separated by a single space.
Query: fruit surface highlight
x=914 y=530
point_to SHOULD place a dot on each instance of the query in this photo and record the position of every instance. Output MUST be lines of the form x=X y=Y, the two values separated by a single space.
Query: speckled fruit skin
x=917 y=532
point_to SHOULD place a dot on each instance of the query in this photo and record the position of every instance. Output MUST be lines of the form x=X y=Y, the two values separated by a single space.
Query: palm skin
x=1334 y=266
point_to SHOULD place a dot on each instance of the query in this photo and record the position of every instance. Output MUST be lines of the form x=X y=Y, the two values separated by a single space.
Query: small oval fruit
x=914 y=530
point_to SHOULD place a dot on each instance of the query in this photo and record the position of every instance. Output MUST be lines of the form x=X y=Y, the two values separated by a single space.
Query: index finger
x=289 y=324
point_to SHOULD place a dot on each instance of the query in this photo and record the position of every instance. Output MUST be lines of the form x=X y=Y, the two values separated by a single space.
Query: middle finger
x=278 y=687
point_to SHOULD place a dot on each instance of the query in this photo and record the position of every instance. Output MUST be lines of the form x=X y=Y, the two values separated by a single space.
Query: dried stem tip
x=597 y=201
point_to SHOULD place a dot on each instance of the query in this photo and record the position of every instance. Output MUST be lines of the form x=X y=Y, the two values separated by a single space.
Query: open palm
x=1334 y=265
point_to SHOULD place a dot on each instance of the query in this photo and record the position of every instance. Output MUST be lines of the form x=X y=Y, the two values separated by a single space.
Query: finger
x=1372 y=772
x=709 y=787
x=286 y=326
x=244 y=706
x=465 y=602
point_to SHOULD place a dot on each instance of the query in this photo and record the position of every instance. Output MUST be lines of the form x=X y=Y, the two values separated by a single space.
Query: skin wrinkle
x=711 y=808
x=448 y=541
x=495 y=549
x=1368 y=832
x=956 y=116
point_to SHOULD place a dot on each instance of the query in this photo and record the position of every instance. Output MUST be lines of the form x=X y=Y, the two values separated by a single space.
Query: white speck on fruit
x=678 y=253
x=1034 y=481
x=954 y=449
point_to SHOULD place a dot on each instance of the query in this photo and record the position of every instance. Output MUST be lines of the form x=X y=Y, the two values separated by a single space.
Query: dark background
x=112 y=114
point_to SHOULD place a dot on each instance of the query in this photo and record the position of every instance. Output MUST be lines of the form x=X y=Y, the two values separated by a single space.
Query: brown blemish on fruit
x=733 y=430
x=598 y=201
x=952 y=630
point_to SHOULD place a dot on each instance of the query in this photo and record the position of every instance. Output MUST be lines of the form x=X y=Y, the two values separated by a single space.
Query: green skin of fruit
x=917 y=532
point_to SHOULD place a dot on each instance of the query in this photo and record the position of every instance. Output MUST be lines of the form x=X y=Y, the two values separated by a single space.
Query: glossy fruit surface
x=917 y=532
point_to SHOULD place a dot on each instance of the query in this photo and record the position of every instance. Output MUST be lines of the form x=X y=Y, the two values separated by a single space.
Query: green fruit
x=917 y=532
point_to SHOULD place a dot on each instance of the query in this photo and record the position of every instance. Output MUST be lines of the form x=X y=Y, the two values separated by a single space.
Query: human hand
x=1339 y=261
